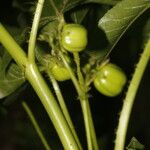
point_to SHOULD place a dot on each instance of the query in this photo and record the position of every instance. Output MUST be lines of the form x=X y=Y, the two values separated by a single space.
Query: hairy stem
x=129 y=99
x=91 y=135
x=34 y=29
x=82 y=98
x=83 y=101
x=36 y=126
x=79 y=73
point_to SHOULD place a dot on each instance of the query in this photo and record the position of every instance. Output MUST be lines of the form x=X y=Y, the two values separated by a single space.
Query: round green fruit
x=110 y=80
x=74 y=37
x=60 y=73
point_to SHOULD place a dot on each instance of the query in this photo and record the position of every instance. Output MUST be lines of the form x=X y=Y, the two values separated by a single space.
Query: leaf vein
x=136 y=7
x=116 y=29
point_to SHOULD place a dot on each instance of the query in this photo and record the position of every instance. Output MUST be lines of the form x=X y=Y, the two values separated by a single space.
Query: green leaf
x=42 y=56
x=14 y=96
x=108 y=2
x=4 y=60
x=48 y=31
x=51 y=11
x=11 y=76
x=72 y=3
x=118 y=19
x=135 y=145
x=51 y=7
x=78 y=15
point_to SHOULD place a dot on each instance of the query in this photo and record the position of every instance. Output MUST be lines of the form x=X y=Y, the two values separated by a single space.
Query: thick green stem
x=36 y=126
x=34 y=29
x=63 y=106
x=12 y=47
x=34 y=77
x=129 y=100
x=36 y=80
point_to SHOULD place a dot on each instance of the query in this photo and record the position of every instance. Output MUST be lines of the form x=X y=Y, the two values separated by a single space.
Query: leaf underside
x=11 y=76
x=118 y=19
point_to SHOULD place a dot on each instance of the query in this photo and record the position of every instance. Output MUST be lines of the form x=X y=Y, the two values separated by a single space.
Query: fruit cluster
x=109 y=79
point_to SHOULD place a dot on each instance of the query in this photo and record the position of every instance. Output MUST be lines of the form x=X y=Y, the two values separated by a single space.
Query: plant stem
x=129 y=99
x=93 y=133
x=83 y=101
x=54 y=7
x=36 y=80
x=87 y=124
x=79 y=73
x=33 y=35
x=73 y=77
x=13 y=48
x=36 y=126
x=63 y=106
x=34 y=77
x=86 y=107
x=34 y=29
x=83 y=104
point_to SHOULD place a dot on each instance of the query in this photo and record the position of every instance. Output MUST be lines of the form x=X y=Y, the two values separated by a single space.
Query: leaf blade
x=117 y=20
x=10 y=80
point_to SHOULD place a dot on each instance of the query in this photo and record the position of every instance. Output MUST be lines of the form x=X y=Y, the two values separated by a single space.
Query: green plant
x=43 y=53
x=110 y=80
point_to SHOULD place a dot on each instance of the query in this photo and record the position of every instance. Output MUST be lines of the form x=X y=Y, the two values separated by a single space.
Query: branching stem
x=49 y=102
x=81 y=90
x=90 y=130
x=35 y=78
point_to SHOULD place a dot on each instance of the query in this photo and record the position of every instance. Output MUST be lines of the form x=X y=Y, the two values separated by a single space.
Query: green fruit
x=110 y=80
x=74 y=37
x=58 y=69
x=60 y=73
